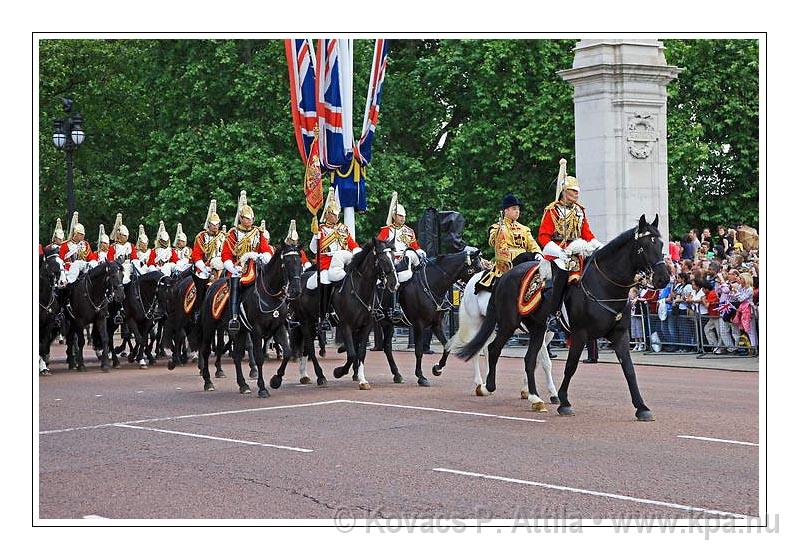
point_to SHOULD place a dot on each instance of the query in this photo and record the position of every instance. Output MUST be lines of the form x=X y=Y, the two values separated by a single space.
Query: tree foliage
x=173 y=123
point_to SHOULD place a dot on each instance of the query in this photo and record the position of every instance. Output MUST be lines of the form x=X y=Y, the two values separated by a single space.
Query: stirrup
x=324 y=325
x=233 y=325
x=118 y=319
x=397 y=314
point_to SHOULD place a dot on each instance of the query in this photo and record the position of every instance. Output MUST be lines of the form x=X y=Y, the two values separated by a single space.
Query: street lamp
x=68 y=134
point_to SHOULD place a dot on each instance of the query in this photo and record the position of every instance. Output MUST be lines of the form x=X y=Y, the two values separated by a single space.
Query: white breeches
x=75 y=269
x=311 y=283
x=405 y=275
x=126 y=272
x=339 y=260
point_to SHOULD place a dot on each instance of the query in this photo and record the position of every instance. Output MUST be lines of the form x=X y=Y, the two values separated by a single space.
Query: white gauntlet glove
x=230 y=267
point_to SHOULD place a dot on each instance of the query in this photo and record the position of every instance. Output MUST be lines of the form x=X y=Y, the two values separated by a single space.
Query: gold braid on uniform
x=567 y=226
x=243 y=246
x=210 y=248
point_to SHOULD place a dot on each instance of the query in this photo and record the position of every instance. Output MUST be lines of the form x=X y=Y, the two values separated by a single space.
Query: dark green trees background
x=171 y=124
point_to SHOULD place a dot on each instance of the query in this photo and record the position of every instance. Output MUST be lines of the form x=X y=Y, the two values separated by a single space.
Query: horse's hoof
x=143 y=366
x=275 y=381
x=116 y=365
x=105 y=369
x=342 y=349
x=398 y=378
x=208 y=386
x=364 y=386
x=263 y=393
x=322 y=382
x=554 y=400
x=644 y=416
x=566 y=411
x=81 y=368
x=305 y=380
x=437 y=370
x=72 y=367
x=423 y=382
x=253 y=374
x=523 y=394
x=480 y=391
x=339 y=372
x=131 y=359
x=219 y=375
x=45 y=373
x=322 y=353
x=539 y=407
x=355 y=377
x=151 y=361
x=245 y=390
x=170 y=365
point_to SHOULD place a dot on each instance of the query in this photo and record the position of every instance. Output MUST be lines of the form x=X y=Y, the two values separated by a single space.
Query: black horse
x=424 y=300
x=51 y=277
x=180 y=323
x=596 y=307
x=264 y=305
x=87 y=304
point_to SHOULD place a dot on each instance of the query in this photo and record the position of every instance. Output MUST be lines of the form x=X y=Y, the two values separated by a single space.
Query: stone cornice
x=603 y=72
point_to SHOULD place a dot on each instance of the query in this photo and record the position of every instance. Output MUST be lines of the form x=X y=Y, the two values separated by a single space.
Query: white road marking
x=98 y=395
x=146 y=420
x=720 y=440
x=594 y=493
x=94 y=517
x=447 y=411
x=201 y=436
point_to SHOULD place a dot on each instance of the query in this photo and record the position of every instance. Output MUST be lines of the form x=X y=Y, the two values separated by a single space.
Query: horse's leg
x=205 y=355
x=251 y=361
x=360 y=346
x=308 y=349
x=141 y=343
x=258 y=356
x=495 y=347
x=534 y=345
x=438 y=331
x=419 y=346
x=573 y=358
x=79 y=349
x=622 y=347
x=238 y=344
x=547 y=365
x=152 y=340
x=100 y=327
x=218 y=352
x=388 y=333
x=341 y=371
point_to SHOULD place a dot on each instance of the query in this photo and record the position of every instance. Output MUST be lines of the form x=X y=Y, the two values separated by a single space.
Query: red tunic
x=112 y=252
x=331 y=239
x=85 y=253
x=173 y=257
x=257 y=243
x=547 y=229
x=404 y=237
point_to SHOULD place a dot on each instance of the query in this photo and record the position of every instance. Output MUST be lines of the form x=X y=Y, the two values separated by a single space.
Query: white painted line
x=448 y=411
x=201 y=436
x=146 y=420
x=720 y=440
x=594 y=493
x=94 y=517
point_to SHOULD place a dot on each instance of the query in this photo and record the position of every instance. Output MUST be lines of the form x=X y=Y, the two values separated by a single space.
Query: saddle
x=189 y=298
x=529 y=296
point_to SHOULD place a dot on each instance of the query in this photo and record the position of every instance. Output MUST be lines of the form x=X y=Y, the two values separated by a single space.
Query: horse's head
x=384 y=258
x=472 y=264
x=163 y=289
x=292 y=269
x=114 y=281
x=648 y=254
x=54 y=268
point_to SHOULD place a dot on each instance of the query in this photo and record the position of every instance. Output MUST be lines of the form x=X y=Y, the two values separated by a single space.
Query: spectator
x=742 y=291
x=637 y=326
x=706 y=237
x=695 y=239
x=711 y=328
x=730 y=238
x=728 y=332
x=674 y=250
x=688 y=249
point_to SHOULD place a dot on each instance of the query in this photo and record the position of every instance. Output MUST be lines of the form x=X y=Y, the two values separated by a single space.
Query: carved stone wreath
x=642 y=135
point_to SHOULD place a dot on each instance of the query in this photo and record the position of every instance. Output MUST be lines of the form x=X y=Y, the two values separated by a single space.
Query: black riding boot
x=324 y=306
x=591 y=351
x=233 y=324
x=397 y=313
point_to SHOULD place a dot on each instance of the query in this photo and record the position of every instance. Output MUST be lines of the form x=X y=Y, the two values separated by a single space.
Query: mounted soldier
x=143 y=252
x=207 y=250
x=243 y=243
x=510 y=239
x=121 y=249
x=102 y=245
x=334 y=247
x=564 y=222
x=163 y=257
x=76 y=252
x=407 y=252
x=184 y=253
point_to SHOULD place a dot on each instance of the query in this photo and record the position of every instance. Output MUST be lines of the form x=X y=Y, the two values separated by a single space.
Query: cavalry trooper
x=141 y=257
x=510 y=239
x=407 y=252
x=183 y=252
x=242 y=244
x=102 y=246
x=563 y=222
x=163 y=257
x=76 y=252
x=121 y=249
x=58 y=237
x=207 y=249
x=334 y=247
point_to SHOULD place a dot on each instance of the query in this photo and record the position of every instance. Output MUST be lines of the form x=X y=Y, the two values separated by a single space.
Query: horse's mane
x=358 y=259
x=97 y=271
x=615 y=244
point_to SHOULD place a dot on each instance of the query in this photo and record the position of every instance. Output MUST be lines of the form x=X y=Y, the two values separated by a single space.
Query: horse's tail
x=468 y=350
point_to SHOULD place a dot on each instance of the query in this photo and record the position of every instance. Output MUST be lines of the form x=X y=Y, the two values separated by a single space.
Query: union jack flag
x=302 y=85
x=334 y=127
x=378 y=73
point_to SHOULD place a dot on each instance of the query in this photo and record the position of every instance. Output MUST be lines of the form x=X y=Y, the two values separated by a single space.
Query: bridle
x=108 y=293
x=281 y=295
x=53 y=283
x=150 y=312
x=389 y=252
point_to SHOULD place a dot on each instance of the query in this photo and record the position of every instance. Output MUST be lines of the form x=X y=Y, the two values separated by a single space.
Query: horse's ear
x=642 y=223
x=655 y=222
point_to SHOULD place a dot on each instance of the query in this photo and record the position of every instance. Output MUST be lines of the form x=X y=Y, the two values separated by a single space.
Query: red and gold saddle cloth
x=189 y=297
x=530 y=291
x=222 y=296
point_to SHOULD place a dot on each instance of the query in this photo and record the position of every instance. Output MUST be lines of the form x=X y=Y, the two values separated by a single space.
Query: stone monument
x=621 y=132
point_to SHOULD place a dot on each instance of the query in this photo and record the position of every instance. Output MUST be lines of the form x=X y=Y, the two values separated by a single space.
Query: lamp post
x=68 y=134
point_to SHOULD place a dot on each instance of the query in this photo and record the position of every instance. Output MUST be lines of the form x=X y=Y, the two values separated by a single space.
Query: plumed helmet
x=58 y=233
x=246 y=212
x=102 y=237
x=242 y=209
x=565 y=181
x=510 y=200
x=392 y=209
x=179 y=235
x=115 y=229
x=74 y=226
x=123 y=230
x=331 y=204
x=142 y=239
x=292 y=238
x=212 y=217
x=162 y=236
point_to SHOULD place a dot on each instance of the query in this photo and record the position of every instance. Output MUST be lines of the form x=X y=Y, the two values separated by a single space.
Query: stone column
x=621 y=132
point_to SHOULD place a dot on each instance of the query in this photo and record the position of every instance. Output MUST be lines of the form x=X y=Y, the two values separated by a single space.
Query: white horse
x=471 y=314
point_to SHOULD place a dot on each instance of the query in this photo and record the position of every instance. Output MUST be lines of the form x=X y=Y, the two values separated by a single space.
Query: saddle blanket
x=220 y=301
x=530 y=291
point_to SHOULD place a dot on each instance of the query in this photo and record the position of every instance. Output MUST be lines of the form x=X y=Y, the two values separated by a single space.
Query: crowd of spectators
x=711 y=301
